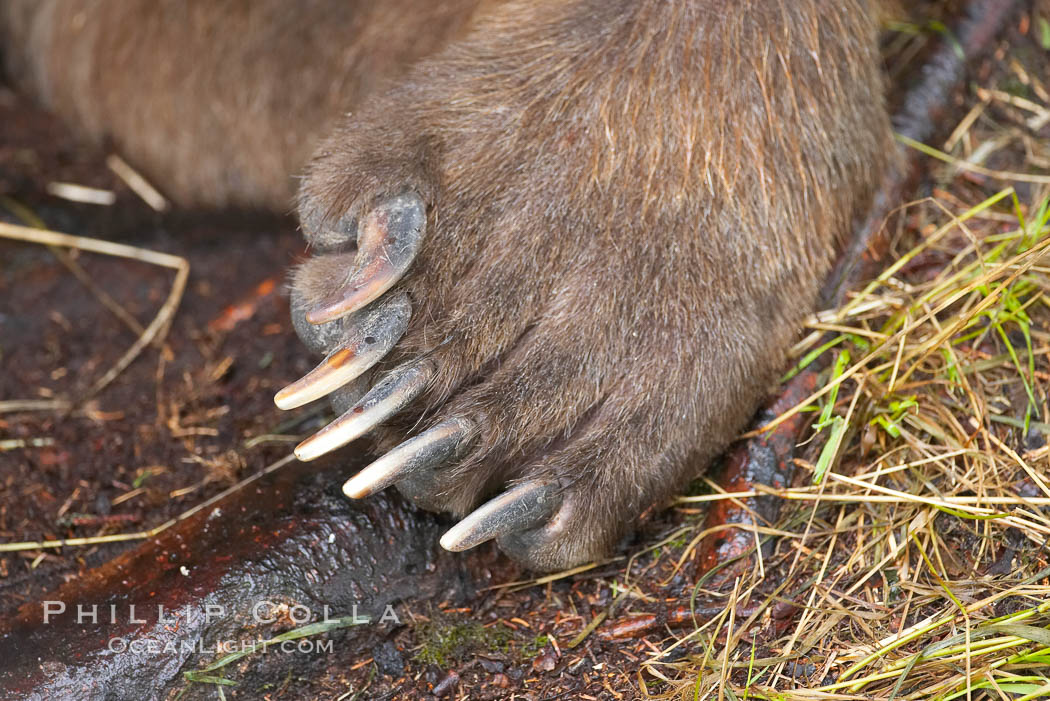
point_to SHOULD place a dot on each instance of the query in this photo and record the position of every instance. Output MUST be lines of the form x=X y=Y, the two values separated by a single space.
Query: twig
x=160 y=322
x=138 y=184
x=142 y=535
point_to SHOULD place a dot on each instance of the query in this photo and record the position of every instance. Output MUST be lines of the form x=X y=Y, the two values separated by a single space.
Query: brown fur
x=632 y=203
x=220 y=102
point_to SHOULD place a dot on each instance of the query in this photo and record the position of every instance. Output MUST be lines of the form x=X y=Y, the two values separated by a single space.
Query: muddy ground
x=186 y=421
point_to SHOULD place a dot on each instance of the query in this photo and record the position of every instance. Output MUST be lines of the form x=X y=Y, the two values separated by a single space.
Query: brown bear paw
x=515 y=414
x=554 y=283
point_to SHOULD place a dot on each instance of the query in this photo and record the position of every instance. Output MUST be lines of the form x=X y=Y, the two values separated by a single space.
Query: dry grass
x=914 y=542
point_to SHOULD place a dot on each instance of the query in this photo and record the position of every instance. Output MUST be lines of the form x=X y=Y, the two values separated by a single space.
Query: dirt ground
x=187 y=420
x=173 y=427
x=184 y=422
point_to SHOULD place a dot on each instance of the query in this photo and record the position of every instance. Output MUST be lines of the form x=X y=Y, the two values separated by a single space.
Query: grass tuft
x=913 y=545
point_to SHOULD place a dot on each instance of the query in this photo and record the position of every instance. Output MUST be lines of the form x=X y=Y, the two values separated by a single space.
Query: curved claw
x=428 y=450
x=384 y=400
x=388 y=239
x=517 y=509
x=369 y=339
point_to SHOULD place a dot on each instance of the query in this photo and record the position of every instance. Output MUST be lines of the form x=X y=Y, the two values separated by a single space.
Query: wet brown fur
x=632 y=203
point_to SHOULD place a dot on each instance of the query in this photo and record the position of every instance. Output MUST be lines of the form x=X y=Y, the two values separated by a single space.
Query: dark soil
x=184 y=422
x=173 y=427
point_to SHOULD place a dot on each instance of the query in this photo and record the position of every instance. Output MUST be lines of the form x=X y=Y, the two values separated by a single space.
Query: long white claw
x=388 y=397
x=370 y=336
x=519 y=508
x=428 y=450
x=388 y=239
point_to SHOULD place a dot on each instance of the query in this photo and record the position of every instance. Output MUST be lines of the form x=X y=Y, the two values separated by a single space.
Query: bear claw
x=388 y=239
x=389 y=396
x=368 y=337
x=412 y=460
x=520 y=508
